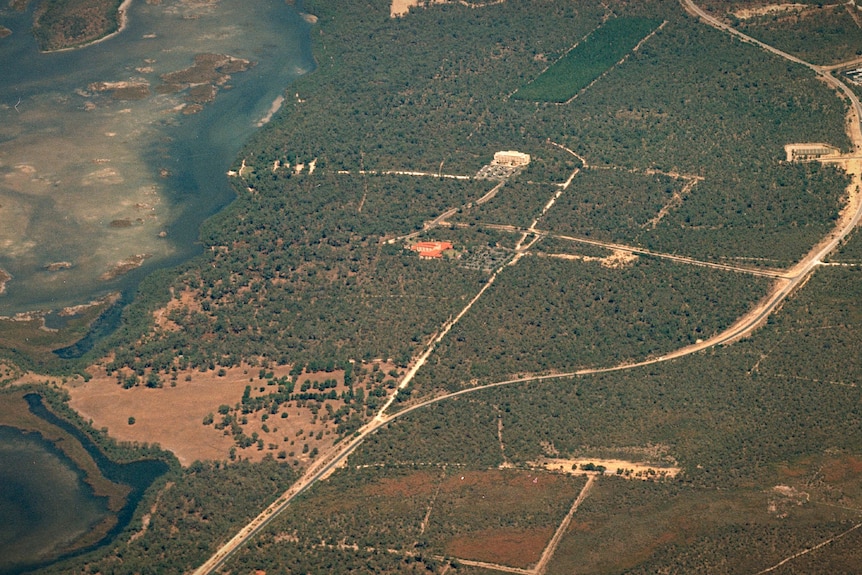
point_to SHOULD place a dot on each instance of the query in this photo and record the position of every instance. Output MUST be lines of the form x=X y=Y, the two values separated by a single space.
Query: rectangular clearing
x=589 y=59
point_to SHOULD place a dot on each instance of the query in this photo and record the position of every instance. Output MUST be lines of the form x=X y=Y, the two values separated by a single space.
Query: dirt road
x=789 y=281
x=542 y=565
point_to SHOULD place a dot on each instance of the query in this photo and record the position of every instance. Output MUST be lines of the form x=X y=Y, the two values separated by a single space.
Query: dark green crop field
x=588 y=60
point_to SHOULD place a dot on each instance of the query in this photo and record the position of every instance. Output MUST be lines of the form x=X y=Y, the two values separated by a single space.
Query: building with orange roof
x=431 y=250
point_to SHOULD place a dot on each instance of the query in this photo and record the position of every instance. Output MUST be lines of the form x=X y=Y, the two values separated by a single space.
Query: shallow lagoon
x=44 y=504
x=100 y=186
x=49 y=508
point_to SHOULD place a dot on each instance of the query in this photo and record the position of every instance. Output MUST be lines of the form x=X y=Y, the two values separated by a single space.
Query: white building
x=511 y=158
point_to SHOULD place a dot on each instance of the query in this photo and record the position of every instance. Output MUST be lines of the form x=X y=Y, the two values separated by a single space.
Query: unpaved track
x=799 y=273
x=764 y=272
x=548 y=553
x=822 y=72
x=795 y=277
x=810 y=549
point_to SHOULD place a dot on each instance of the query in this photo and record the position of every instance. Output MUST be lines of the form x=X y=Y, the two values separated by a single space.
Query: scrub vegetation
x=60 y=24
x=299 y=267
x=309 y=269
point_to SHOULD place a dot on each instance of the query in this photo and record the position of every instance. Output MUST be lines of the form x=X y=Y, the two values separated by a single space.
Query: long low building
x=431 y=250
x=511 y=158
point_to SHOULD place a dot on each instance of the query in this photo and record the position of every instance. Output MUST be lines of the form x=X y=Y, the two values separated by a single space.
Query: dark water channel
x=45 y=503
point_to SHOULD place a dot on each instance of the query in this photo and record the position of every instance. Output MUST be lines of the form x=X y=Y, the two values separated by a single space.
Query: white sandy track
x=792 y=279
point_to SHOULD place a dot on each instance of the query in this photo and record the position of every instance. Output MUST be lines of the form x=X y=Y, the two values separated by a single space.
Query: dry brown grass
x=512 y=547
x=173 y=416
x=415 y=484
x=846 y=468
x=188 y=300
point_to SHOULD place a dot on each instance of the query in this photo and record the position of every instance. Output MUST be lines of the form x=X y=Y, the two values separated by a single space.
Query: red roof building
x=431 y=250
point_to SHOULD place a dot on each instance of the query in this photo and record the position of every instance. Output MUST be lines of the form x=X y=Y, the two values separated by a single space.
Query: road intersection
x=786 y=282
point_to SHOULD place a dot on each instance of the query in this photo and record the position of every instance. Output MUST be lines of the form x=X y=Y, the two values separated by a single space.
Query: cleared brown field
x=173 y=416
x=503 y=516
x=415 y=484
x=647 y=528
x=512 y=547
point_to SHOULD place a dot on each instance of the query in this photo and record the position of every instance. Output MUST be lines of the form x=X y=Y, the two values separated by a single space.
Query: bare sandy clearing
x=629 y=469
x=509 y=546
x=617 y=259
x=810 y=149
x=746 y=13
x=400 y=8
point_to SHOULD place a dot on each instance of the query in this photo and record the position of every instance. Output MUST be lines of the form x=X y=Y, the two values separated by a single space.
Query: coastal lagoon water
x=44 y=504
x=105 y=175
x=47 y=510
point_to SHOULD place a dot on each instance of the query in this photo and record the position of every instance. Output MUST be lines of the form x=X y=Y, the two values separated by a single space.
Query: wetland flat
x=112 y=155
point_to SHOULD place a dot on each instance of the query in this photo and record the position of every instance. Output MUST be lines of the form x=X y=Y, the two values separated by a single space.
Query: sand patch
x=276 y=105
x=747 y=13
x=400 y=8
x=618 y=467
x=617 y=259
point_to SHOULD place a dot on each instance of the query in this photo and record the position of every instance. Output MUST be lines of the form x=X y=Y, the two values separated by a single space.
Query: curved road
x=822 y=71
x=795 y=277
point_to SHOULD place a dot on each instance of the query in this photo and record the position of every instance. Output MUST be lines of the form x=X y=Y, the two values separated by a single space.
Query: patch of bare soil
x=754 y=11
x=400 y=8
x=420 y=483
x=490 y=495
x=8 y=372
x=842 y=469
x=516 y=485
x=617 y=259
x=187 y=301
x=782 y=498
